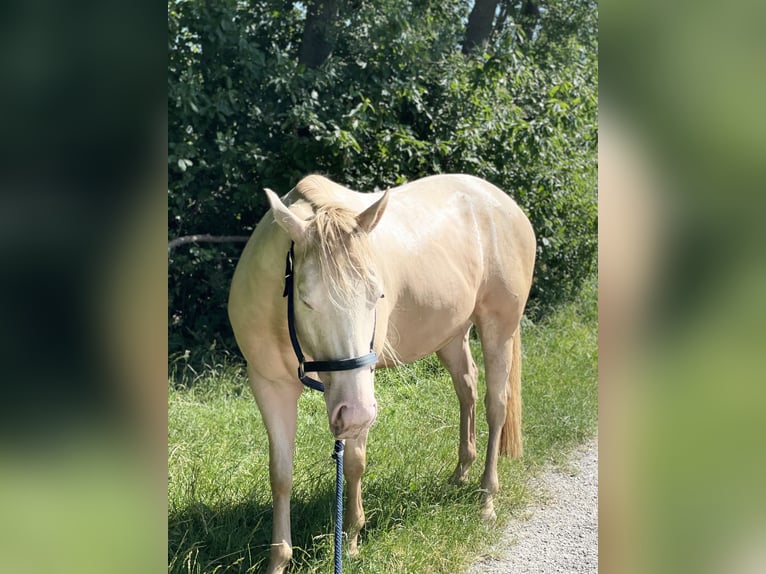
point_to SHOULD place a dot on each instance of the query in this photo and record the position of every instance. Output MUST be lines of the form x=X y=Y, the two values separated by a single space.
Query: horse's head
x=336 y=292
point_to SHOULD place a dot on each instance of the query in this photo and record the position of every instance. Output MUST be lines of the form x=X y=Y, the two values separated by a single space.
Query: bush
x=396 y=101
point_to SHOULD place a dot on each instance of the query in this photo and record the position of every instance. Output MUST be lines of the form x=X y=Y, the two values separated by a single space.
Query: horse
x=411 y=269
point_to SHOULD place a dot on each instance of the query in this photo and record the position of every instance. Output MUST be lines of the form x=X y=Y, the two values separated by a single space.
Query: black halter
x=316 y=366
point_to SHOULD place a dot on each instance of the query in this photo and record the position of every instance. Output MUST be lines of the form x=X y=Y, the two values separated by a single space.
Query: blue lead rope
x=338 y=456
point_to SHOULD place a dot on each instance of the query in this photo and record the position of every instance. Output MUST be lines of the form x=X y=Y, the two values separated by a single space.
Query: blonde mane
x=320 y=191
x=343 y=252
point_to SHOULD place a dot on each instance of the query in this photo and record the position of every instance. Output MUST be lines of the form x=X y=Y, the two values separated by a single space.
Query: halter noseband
x=316 y=366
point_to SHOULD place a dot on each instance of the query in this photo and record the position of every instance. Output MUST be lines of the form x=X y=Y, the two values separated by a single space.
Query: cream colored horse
x=419 y=264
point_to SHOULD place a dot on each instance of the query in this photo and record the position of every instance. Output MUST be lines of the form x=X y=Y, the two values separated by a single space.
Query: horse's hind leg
x=355 y=460
x=497 y=346
x=278 y=404
x=456 y=358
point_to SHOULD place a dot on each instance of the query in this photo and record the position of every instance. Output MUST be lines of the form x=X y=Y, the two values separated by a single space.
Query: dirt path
x=559 y=534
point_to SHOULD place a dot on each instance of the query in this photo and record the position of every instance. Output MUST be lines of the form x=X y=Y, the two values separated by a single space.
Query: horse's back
x=471 y=196
x=463 y=216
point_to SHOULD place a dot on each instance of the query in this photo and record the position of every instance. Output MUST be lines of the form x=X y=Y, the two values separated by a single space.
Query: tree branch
x=206 y=238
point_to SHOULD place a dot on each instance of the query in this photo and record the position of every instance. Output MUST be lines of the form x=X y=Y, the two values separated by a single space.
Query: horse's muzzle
x=347 y=420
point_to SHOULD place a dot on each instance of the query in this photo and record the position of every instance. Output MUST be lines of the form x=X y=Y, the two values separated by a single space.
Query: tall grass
x=219 y=498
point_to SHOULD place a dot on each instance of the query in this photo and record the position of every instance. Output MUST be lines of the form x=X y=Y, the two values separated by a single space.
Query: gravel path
x=559 y=534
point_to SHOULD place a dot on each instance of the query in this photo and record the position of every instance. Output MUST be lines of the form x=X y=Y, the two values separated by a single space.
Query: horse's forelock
x=342 y=251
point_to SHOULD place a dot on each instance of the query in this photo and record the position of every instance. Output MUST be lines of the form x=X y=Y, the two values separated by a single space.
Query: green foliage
x=396 y=101
x=219 y=500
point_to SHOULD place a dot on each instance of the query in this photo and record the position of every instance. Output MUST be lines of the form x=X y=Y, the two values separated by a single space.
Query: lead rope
x=338 y=456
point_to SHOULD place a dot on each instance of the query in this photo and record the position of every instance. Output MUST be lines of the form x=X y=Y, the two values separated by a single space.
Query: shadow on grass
x=236 y=538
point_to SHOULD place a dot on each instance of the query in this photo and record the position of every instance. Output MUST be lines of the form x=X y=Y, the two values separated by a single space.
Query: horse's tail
x=510 y=437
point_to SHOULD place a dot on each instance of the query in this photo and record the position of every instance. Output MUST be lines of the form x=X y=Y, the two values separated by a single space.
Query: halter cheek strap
x=317 y=366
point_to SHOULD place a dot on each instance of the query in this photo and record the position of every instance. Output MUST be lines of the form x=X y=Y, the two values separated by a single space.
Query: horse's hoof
x=279 y=558
x=488 y=512
x=353 y=549
x=458 y=479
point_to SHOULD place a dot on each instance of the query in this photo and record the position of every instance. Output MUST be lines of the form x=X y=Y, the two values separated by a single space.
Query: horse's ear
x=369 y=218
x=286 y=219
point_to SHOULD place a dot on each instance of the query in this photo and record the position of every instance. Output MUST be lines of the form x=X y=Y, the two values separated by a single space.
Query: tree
x=479 y=24
x=528 y=17
x=319 y=32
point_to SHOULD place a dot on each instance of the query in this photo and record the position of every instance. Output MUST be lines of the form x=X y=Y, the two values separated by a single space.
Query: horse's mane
x=320 y=191
x=344 y=253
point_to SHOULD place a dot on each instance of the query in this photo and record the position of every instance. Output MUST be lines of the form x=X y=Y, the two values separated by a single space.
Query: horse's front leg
x=355 y=460
x=278 y=404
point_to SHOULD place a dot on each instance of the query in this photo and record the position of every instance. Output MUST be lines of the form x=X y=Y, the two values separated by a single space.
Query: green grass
x=219 y=498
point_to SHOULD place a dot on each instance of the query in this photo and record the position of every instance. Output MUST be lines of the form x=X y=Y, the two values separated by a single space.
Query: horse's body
x=449 y=252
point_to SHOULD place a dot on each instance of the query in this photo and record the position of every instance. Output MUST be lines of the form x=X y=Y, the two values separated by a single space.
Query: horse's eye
x=374 y=298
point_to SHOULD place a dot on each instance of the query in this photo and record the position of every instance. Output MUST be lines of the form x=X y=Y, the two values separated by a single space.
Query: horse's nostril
x=336 y=420
x=348 y=419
